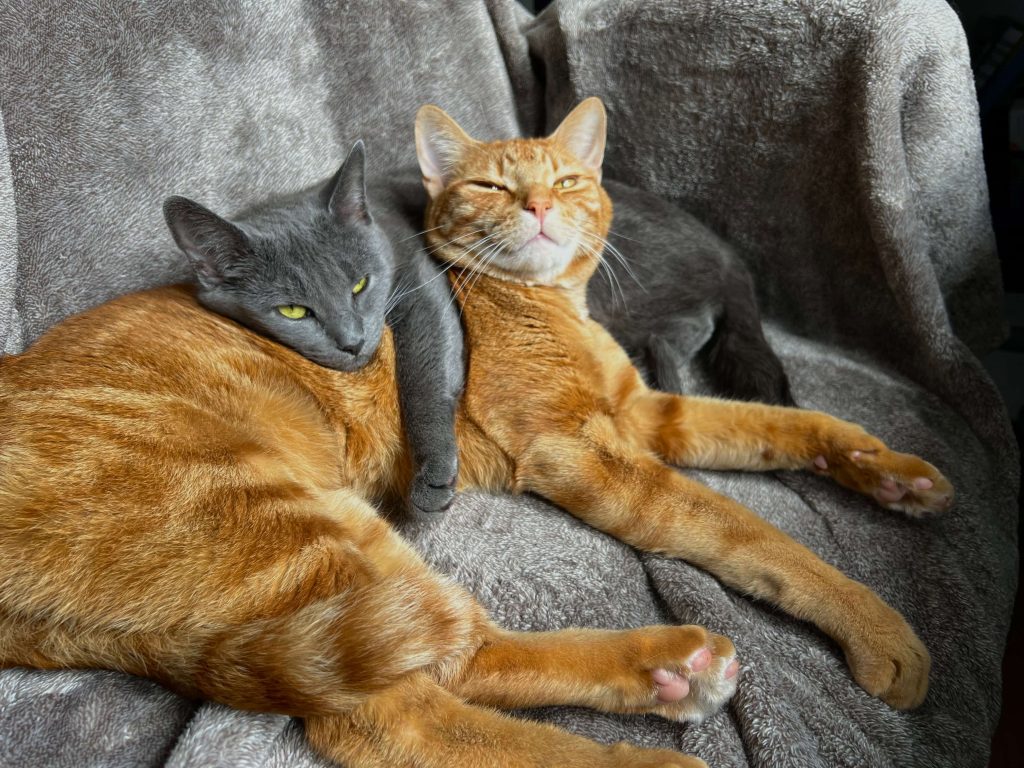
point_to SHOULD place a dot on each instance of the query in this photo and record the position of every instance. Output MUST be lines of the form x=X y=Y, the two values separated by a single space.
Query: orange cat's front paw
x=898 y=481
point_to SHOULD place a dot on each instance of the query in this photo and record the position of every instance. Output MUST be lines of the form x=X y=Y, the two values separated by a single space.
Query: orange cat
x=184 y=499
x=553 y=405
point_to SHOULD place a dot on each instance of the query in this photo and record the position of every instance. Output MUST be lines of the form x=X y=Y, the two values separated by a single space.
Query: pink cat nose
x=539 y=208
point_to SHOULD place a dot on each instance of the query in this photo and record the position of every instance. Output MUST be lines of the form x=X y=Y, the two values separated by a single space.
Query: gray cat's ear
x=440 y=144
x=346 y=191
x=213 y=245
x=582 y=133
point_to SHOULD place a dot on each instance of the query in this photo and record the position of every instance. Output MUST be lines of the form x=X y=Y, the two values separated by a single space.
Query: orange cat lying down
x=553 y=405
x=186 y=500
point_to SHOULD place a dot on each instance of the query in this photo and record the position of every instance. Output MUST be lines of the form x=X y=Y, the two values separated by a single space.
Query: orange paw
x=885 y=656
x=628 y=756
x=897 y=481
x=681 y=673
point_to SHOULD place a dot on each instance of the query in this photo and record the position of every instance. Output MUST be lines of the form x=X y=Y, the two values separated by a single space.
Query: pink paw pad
x=890 y=491
x=700 y=661
x=670 y=686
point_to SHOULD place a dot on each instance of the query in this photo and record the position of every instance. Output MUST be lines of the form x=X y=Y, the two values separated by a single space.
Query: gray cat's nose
x=354 y=348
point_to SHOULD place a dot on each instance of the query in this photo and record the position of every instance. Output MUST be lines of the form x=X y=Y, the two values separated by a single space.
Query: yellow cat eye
x=293 y=311
x=358 y=287
x=567 y=183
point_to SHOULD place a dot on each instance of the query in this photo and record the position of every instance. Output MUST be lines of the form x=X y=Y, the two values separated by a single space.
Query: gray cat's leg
x=669 y=349
x=431 y=371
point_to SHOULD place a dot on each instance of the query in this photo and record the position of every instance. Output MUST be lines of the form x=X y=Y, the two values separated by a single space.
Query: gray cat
x=671 y=290
x=317 y=272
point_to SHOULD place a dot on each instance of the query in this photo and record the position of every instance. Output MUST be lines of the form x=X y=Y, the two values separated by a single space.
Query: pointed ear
x=345 y=194
x=440 y=144
x=213 y=245
x=582 y=133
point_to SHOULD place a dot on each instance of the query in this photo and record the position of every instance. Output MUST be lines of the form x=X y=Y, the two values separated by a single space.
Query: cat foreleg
x=630 y=494
x=430 y=370
x=724 y=434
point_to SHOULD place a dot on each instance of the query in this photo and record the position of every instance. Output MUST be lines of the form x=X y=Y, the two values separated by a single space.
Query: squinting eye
x=293 y=311
x=358 y=287
x=566 y=183
x=489 y=185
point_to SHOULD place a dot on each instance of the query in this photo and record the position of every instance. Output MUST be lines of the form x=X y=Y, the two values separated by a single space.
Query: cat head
x=311 y=271
x=528 y=210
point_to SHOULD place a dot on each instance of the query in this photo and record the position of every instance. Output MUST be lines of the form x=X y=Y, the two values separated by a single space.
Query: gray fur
x=309 y=248
x=670 y=288
x=428 y=343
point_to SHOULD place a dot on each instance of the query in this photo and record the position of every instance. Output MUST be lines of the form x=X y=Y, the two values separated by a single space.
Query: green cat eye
x=293 y=311
x=567 y=183
x=358 y=287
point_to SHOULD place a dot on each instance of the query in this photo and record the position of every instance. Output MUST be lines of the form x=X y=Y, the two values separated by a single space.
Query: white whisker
x=619 y=234
x=618 y=256
x=613 y=279
x=410 y=237
x=477 y=269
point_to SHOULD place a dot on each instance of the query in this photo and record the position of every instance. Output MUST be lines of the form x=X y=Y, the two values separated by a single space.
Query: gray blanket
x=834 y=143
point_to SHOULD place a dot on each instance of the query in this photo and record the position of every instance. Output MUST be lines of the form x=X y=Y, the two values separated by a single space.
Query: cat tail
x=742 y=364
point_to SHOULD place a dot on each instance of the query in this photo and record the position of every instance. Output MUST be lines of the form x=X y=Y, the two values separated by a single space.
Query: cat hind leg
x=680 y=673
x=742 y=364
x=631 y=495
x=418 y=724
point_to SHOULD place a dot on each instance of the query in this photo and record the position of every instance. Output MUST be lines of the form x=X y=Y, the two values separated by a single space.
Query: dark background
x=984 y=22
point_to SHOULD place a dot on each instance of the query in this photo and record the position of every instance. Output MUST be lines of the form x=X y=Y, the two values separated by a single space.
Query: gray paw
x=433 y=488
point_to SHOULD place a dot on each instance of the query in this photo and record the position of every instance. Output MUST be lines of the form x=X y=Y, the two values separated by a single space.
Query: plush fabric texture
x=834 y=144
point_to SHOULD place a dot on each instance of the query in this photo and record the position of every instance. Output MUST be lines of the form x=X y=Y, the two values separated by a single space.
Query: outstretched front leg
x=724 y=434
x=633 y=496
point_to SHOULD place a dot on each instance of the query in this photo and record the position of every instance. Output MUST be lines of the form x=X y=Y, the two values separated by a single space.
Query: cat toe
x=431 y=500
x=696 y=687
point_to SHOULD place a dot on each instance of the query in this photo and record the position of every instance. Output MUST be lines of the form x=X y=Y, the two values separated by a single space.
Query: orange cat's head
x=528 y=210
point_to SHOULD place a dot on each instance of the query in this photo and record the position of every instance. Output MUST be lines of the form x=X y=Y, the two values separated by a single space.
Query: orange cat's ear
x=440 y=143
x=582 y=133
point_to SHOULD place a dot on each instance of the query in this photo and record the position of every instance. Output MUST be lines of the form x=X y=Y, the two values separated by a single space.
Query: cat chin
x=538 y=262
x=341 y=362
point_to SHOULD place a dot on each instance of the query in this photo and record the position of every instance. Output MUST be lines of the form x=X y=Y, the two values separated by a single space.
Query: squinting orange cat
x=554 y=406
x=183 y=499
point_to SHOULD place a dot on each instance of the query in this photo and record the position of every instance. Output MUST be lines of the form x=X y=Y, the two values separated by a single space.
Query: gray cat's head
x=311 y=270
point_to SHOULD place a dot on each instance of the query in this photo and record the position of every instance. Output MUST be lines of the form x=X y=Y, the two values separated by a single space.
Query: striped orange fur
x=183 y=499
x=554 y=406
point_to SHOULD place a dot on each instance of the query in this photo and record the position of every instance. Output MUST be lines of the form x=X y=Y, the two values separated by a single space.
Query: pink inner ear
x=430 y=161
x=583 y=133
x=440 y=143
